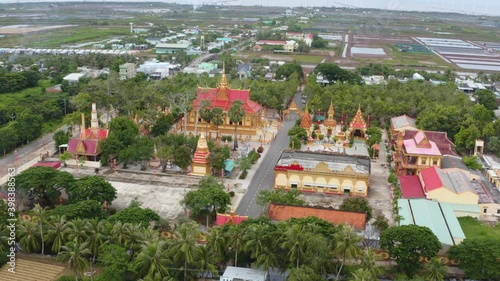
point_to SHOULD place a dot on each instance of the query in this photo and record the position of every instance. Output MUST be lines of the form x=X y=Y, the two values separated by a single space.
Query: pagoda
x=330 y=122
x=306 y=120
x=89 y=143
x=358 y=126
x=200 y=165
x=223 y=97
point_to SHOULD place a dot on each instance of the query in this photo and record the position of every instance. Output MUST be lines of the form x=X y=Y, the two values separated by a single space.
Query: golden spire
x=82 y=134
x=223 y=79
x=330 y=110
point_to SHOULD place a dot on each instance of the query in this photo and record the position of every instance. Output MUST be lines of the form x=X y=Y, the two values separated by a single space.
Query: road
x=263 y=179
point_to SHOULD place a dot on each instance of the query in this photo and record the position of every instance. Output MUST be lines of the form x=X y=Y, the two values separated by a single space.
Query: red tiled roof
x=411 y=187
x=90 y=146
x=223 y=219
x=431 y=178
x=96 y=134
x=53 y=164
x=294 y=167
x=282 y=212
x=211 y=94
x=445 y=145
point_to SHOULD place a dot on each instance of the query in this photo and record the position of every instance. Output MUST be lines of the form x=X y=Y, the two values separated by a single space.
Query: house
x=439 y=217
x=307 y=38
x=414 y=154
x=318 y=172
x=244 y=70
x=159 y=74
x=73 y=78
x=169 y=48
x=290 y=46
x=233 y=273
x=402 y=123
x=451 y=186
x=283 y=212
x=127 y=71
x=257 y=48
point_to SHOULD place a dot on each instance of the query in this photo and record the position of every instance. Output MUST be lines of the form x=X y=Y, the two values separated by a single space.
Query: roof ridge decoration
x=358 y=120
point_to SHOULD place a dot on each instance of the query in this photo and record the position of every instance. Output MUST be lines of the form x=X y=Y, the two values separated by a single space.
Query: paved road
x=263 y=179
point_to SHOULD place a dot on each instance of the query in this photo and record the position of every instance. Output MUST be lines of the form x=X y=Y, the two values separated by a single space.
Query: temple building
x=415 y=154
x=330 y=122
x=306 y=121
x=327 y=173
x=89 y=143
x=223 y=97
x=358 y=126
x=201 y=165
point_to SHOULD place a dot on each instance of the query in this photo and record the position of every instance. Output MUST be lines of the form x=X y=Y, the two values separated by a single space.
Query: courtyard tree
x=280 y=196
x=135 y=214
x=44 y=183
x=407 y=243
x=287 y=69
x=183 y=157
x=218 y=117
x=357 y=204
x=162 y=125
x=486 y=98
x=478 y=258
x=236 y=114
x=92 y=188
x=209 y=198
x=182 y=101
x=333 y=73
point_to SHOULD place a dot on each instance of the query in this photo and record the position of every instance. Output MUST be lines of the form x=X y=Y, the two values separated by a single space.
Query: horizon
x=486 y=7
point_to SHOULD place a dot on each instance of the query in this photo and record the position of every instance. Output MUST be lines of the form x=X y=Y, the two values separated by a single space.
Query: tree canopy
x=209 y=198
x=92 y=188
x=478 y=258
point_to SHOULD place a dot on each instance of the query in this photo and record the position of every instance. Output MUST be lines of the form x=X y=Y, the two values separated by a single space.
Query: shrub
x=228 y=138
x=260 y=149
x=253 y=156
x=3 y=258
x=231 y=193
x=243 y=175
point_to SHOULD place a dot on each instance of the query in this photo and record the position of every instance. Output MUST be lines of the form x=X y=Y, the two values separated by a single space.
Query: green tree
x=183 y=157
x=61 y=137
x=113 y=258
x=28 y=126
x=162 y=125
x=28 y=236
x=298 y=132
x=466 y=137
x=494 y=145
x=65 y=156
x=478 y=258
x=472 y=162
x=135 y=214
x=287 y=69
x=92 y=188
x=435 y=270
x=75 y=254
x=218 y=117
x=369 y=263
x=357 y=204
x=8 y=138
x=486 y=98
x=153 y=260
x=347 y=246
x=333 y=73
x=362 y=274
x=39 y=217
x=407 y=243
x=84 y=209
x=210 y=198
x=280 y=196
x=294 y=240
x=56 y=232
x=124 y=129
x=236 y=114
x=184 y=249
x=44 y=183
x=295 y=143
x=304 y=273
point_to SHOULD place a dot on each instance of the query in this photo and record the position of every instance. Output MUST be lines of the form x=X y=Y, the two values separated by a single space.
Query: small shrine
x=330 y=122
x=358 y=126
x=306 y=121
x=201 y=165
x=232 y=218
x=89 y=143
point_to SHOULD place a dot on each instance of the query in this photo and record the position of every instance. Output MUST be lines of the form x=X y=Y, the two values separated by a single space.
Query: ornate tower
x=200 y=165
x=306 y=120
x=330 y=122
x=358 y=125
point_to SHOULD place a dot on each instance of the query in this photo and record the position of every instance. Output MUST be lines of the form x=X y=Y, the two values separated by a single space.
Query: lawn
x=477 y=229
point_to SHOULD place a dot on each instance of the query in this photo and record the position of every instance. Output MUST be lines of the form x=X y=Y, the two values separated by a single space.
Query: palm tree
x=204 y=105
x=257 y=236
x=120 y=233
x=435 y=270
x=206 y=114
x=267 y=259
x=218 y=117
x=96 y=238
x=235 y=236
x=56 y=233
x=75 y=254
x=184 y=247
x=236 y=114
x=216 y=242
x=346 y=245
x=77 y=230
x=153 y=261
x=362 y=274
x=368 y=262
x=294 y=241
x=28 y=236
x=134 y=238
x=39 y=217
x=4 y=237
x=207 y=262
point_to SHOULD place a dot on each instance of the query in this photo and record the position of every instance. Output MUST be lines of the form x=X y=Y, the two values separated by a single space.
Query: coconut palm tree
x=39 y=217
x=184 y=248
x=4 y=237
x=362 y=274
x=257 y=239
x=96 y=236
x=206 y=114
x=56 y=233
x=216 y=243
x=75 y=254
x=218 y=117
x=368 y=262
x=235 y=239
x=346 y=245
x=153 y=260
x=27 y=233
x=236 y=114
x=435 y=270
x=77 y=230
x=134 y=237
x=206 y=262
x=120 y=233
x=267 y=259
x=294 y=242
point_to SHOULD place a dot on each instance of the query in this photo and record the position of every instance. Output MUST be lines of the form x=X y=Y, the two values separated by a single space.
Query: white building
x=151 y=66
x=73 y=77
x=127 y=71
x=243 y=274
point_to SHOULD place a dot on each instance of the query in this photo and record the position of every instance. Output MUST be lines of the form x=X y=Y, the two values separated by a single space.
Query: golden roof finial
x=82 y=134
x=223 y=79
x=330 y=110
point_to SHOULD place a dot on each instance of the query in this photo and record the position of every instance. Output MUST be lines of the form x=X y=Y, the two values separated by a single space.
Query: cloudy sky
x=486 y=7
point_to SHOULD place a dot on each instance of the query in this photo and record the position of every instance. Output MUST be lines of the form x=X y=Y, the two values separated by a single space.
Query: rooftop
x=454 y=180
x=438 y=217
x=402 y=121
x=411 y=187
x=335 y=161
x=242 y=273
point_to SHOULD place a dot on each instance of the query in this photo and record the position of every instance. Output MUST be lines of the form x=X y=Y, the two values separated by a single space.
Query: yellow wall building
x=323 y=173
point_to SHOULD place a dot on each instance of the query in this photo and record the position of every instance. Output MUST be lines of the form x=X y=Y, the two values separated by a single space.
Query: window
x=485 y=210
x=434 y=161
x=360 y=189
x=498 y=211
x=294 y=185
x=423 y=160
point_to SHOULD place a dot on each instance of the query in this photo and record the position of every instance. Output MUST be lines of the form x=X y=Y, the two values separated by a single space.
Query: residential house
x=73 y=78
x=244 y=70
x=127 y=71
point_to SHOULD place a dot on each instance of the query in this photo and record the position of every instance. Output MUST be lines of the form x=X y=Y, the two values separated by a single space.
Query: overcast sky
x=489 y=7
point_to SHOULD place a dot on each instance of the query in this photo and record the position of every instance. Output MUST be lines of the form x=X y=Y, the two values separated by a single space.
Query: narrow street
x=263 y=179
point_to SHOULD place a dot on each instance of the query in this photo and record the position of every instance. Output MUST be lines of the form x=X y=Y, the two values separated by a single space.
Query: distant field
x=57 y=38
x=475 y=229
x=299 y=58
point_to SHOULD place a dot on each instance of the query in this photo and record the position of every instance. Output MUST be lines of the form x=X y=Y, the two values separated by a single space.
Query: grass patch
x=475 y=229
